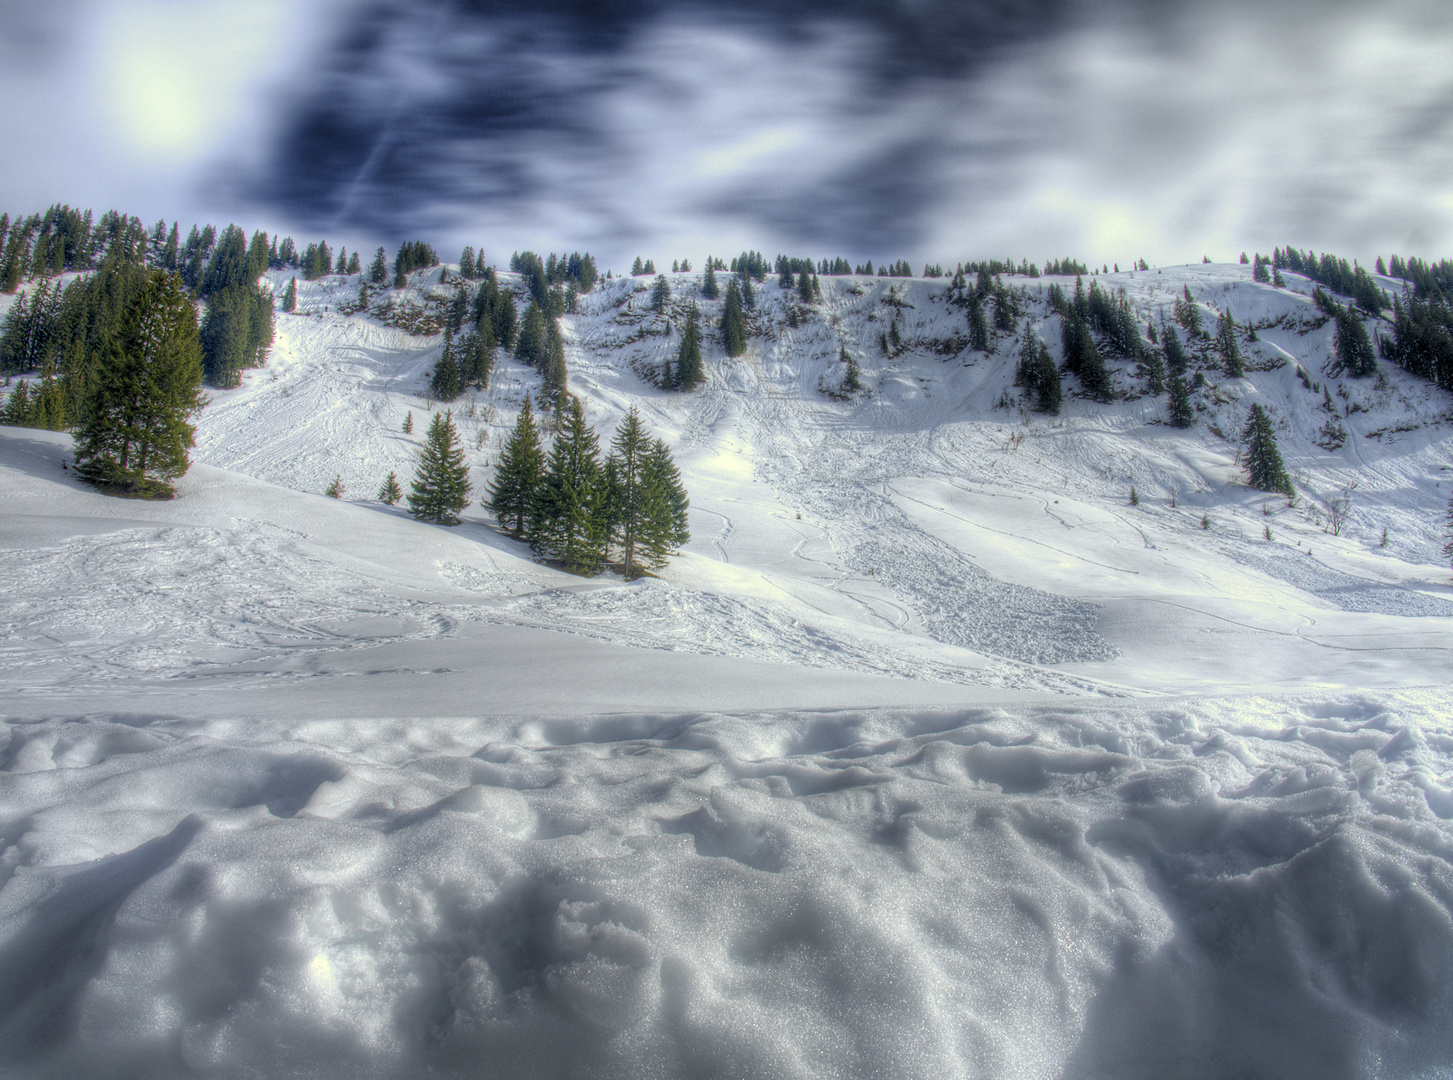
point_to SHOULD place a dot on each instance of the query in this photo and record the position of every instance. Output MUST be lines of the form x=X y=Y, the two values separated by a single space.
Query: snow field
x=930 y=755
x=1082 y=890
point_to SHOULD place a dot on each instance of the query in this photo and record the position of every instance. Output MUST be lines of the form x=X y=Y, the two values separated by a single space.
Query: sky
x=933 y=130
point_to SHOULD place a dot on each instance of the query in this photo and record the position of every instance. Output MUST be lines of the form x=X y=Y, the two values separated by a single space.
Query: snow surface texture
x=930 y=755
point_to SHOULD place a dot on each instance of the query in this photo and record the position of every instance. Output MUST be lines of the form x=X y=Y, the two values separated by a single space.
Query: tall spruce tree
x=1355 y=354
x=1182 y=415
x=626 y=491
x=135 y=433
x=660 y=294
x=733 y=324
x=1264 y=468
x=1230 y=350
x=553 y=376
x=688 y=373
x=290 y=296
x=389 y=491
x=530 y=346
x=441 y=481
x=663 y=524
x=446 y=383
x=709 y=288
x=517 y=477
x=978 y=325
x=378 y=271
x=570 y=505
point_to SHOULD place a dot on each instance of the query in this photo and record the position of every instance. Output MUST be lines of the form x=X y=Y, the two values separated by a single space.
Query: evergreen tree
x=135 y=434
x=408 y=425
x=688 y=373
x=570 y=522
x=290 y=296
x=530 y=346
x=466 y=264
x=1182 y=415
x=1230 y=350
x=378 y=271
x=1264 y=467
x=517 y=477
x=1048 y=392
x=389 y=492
x=441 y=482
x=1154 y=368
x=1175 y=356
x=733 y=325
x=336 y=488
x=638 y=268
x=554 y=378
x=663 y=524
x=354 y=266
x=660 y=294
x=709 y=288
x=627 y=501
x=853 y=378
x=1354 y=349
x=1448 y=547
x=978 y=325
x=446 y=383
x=18 y=410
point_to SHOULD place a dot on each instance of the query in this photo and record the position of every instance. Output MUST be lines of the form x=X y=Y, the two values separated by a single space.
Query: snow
x=930 y=755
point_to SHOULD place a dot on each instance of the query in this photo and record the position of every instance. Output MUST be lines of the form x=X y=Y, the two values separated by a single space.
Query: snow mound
x=1083 y=891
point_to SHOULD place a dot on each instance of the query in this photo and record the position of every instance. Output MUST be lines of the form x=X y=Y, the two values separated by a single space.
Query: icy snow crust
x=930 y=756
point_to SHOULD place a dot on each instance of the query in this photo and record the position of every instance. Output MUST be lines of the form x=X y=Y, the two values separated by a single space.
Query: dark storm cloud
x=424 y=110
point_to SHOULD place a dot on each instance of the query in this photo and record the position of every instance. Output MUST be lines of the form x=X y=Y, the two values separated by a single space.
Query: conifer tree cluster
x=553 y=279
x=1422 y=340
x=1347 y=279
x=1039 y=376
x=576 y=509
x=134 y=434
x=1228 y=346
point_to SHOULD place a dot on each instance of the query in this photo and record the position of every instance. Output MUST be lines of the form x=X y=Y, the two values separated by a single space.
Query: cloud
x=932 y=129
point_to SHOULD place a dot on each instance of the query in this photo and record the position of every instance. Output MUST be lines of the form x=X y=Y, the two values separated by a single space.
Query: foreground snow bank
x=1210 y=888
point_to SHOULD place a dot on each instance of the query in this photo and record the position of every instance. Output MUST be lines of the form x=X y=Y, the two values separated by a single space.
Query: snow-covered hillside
x=931 y=754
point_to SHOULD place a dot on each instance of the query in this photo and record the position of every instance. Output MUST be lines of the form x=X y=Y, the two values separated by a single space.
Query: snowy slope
x=930 y=755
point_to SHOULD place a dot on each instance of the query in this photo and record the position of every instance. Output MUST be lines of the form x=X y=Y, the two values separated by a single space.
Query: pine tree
x=1230 y=350
x=466 y=264
x=354 y=266
x=17 y=411
x=570 y=523
x=1175 y=356
x=626 y=498
x=709 y=288
x=378 y=271
x=290 y=296
x=336 y=489
x=660 y=294
x=688 y=373
x=852 y=379
x=516 y=478
x=663 y=528
x=978 y=325
x=441 y=482
x=135 y=434
x=389 y=492
x=638 y=268
x=1355 y=354
x=408 y=425
x=554 y=378
x=530 y=346
x=733 y=325
x=1154 y=368
x=445 y=383
x=1448 y=547
x=1182 y=415
x=1048 y=392
x=1264 y=467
